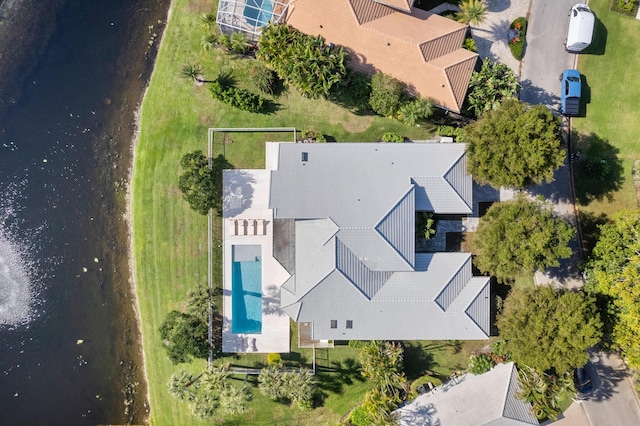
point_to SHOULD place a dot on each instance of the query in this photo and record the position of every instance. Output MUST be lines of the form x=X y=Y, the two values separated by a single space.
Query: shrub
x=238 y=98
x=479 y=364
x=264 y=78
x=208 y=41
x=387 y=94
x=357 y=344
x=392 y=137
x=470 y=44
x=626 y=7
x=274 y=358
x=320 y=137
x=359 y=416
x=417 y=109
x=354 y=91
x=517 y=43
x=456 y=132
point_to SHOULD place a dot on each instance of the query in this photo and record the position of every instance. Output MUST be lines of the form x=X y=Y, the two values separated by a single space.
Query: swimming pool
x=258 y=12
x=246 y=289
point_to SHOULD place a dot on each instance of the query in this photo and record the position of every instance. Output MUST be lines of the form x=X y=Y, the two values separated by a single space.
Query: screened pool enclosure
x=249 y=16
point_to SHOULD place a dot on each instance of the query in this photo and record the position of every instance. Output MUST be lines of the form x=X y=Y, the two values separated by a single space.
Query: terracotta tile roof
x=422 y=49
x=398 y=4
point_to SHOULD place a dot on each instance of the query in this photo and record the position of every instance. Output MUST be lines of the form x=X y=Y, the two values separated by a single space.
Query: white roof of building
x=487 y=399
x=355 y=260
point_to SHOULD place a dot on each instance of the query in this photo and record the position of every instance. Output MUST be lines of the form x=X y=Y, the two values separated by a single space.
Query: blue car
x=570 y=92
x=582 y=380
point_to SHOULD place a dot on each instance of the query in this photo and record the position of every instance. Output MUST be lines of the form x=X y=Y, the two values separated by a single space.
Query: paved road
x=544 y=60
x=545 y=57
x=612 y=402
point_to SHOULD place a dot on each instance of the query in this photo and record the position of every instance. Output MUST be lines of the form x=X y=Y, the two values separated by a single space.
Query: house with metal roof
x=356 y=274
x=487 y=399
x=326 y=235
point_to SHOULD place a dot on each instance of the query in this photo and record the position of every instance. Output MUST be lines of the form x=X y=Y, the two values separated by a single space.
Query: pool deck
x=249 y=221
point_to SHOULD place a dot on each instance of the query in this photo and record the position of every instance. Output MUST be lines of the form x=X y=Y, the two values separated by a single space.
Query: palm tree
x=209 y=41
x=472 y=12
x=418 y=109
x=207 y=20
x=183 y=385
x=199 y=302
x=239 y=43
x=192 y=71
x=270 y=382
x=382 y=364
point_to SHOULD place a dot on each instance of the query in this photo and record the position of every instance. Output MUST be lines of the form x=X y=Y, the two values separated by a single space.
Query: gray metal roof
x=355 y=259
x=486 y=399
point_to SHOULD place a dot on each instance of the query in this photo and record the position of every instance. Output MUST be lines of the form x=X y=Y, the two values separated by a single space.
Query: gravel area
x=492 y=35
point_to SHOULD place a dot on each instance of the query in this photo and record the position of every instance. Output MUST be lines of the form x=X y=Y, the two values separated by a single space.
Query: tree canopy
x=186 y=335
x=614 y=272
x=201 y=186
x=517 y=237
x=516 y=145
x=548 y=329
x=489 y=87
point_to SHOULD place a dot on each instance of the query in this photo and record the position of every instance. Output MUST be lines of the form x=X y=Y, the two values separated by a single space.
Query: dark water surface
x=72 y=73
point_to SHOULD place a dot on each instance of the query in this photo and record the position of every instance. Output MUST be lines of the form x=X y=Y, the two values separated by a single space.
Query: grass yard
x=611 y=129
x=169 y=240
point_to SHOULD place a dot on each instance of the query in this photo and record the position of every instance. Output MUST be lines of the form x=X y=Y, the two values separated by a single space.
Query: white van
x=580 y=33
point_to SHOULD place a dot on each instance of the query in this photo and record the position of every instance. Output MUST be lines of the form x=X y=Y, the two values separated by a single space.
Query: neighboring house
x=342 y=218
x=423 y=50
x=487 y=399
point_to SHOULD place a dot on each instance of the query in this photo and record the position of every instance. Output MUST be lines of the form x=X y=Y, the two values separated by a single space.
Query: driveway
x=545 y=57
x=544 y=60
x=613 y=400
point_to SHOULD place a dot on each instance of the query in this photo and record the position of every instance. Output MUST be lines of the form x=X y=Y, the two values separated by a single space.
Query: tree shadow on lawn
x=333 y=378
x=418 y=360
x=598 y=171
x=589 y=225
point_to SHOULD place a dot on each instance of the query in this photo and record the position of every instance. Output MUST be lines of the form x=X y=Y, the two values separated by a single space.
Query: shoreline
x=128 y=215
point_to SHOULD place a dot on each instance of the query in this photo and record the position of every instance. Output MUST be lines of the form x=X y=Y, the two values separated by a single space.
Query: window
x=334 y=323
x=349 y=323
x=305 y=156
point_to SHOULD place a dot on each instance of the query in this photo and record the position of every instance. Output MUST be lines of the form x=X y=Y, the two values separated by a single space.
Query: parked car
x=582 y=381
x=570 y=92
x=580 y=34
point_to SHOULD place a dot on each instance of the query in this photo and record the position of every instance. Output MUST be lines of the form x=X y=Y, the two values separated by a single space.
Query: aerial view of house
x=340 y=220
x=421 y=49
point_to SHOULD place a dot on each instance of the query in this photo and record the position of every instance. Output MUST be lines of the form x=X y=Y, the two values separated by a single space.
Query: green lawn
x=611 y=128
x=169 y=240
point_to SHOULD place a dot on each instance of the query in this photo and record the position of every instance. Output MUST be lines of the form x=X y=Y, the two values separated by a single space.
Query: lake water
x=72 y=73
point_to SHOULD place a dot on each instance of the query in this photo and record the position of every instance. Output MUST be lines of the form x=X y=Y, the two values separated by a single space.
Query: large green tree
x=520 y=236
x=197 y=182
x=185 y=336
x=516 y=145
x=388 y=94
x=201 y=185
x=489 y=87
x=548 y=329
x=613 y=271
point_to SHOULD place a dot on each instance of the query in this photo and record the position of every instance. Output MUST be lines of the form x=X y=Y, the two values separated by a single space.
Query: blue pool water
x=246 y=291
x=258 y=12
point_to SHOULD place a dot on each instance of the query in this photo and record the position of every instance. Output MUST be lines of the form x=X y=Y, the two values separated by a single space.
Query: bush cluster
x=456 y=132
x=238 y=98
x=304 y=61
x=480 y=364
x=392 y=137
